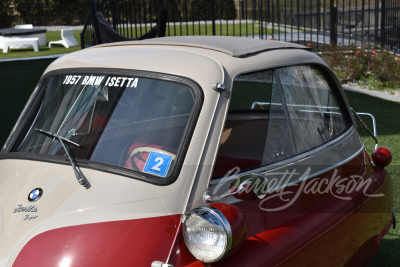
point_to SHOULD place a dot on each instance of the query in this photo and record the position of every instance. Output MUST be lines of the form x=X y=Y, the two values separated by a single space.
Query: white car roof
x=233 y=46
x=203 y=59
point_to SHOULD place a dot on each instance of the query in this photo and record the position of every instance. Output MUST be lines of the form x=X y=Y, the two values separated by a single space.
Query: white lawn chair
x=7 y=42
x=68 y=39
x=24 y=26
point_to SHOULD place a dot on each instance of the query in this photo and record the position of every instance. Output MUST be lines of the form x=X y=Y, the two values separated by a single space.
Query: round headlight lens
x=207 y=233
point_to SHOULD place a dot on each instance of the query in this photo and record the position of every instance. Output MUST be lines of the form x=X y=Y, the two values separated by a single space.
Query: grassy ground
x=388 y=130
x=233 y=29
x=18 y=79
x=43 y=50
x=204 y=29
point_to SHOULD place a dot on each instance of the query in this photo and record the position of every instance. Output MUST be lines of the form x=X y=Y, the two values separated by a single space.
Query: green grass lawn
x=388 y=130
x=18 y=79
x=43 y=50
x=203 y=29
x=220 y=29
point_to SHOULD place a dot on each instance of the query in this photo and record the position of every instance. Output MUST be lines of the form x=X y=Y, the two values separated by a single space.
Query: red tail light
x=382 y=156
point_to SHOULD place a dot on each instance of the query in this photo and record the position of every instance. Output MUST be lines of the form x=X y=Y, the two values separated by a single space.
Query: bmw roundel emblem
x=35 y=194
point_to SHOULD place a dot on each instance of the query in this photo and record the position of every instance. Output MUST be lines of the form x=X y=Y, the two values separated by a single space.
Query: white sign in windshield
x=97 y=80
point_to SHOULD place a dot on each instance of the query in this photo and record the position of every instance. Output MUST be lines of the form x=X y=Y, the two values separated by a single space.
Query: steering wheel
x=145 y=149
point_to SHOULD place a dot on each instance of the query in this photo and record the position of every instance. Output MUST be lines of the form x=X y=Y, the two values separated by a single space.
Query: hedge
x=43 y=12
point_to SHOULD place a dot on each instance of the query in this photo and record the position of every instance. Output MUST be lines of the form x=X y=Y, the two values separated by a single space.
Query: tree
x=6 y=13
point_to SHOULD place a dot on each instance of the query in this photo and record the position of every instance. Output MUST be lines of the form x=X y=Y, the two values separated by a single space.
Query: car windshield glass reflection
x=122 y=121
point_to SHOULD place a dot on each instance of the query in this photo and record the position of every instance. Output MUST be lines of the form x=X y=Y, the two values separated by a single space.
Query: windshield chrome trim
x=197 y=92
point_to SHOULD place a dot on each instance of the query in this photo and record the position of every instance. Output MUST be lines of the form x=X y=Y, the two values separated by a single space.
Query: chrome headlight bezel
x=215 y=219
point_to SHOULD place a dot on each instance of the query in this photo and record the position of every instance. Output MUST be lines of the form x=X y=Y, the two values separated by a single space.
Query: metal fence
x=319 y=22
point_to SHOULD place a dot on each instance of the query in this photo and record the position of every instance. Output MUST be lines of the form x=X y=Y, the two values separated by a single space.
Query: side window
x=275 y=115
x=244 y=135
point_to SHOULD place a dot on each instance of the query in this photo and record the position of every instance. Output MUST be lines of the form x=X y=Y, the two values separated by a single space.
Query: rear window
x=136 y=123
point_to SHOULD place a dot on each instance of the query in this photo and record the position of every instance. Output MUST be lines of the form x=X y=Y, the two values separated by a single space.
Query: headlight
x=208 y=234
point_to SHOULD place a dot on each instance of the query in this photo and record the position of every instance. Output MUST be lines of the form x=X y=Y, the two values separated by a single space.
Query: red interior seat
x=224 y=163
x=141 y=159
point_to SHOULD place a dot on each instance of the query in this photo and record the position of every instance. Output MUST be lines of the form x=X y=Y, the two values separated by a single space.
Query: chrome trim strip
x=293 y=183
x=374 y=134
x=373 y=120
x=276 y=165
x=319 y=172
x=289 y=105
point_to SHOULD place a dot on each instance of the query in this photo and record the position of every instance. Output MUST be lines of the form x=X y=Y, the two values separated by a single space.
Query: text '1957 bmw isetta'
x=191 y=151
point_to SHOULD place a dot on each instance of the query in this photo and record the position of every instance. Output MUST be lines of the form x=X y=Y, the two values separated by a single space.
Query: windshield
x=132 y=122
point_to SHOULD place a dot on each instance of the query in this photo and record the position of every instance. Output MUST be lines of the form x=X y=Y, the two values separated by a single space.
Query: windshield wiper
x=78 y=173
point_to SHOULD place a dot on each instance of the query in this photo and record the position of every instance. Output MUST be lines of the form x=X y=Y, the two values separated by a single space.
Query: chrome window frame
x=333 y=84
x=350 y=133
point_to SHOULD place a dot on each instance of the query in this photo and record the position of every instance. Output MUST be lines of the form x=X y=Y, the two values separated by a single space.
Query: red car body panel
x=309 y=239
x=298 y=240
x=120 y=243
x=285 y=238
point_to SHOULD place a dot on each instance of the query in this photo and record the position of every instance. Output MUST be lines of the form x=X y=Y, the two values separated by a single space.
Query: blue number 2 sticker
x=158 y=164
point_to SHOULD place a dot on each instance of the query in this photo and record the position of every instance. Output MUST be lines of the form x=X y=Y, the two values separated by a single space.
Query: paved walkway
x=59 y=28
x=374 y=93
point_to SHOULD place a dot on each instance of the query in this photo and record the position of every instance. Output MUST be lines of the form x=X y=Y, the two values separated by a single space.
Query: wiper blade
x=54 y=135
x=78 y=173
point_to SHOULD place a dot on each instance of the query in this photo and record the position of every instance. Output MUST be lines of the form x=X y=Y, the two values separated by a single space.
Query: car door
x=290 y=126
